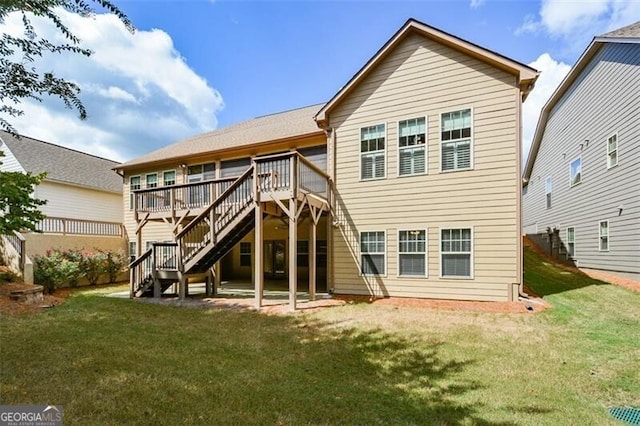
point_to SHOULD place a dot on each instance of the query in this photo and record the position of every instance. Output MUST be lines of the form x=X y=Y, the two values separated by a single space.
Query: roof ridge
x=60 y=146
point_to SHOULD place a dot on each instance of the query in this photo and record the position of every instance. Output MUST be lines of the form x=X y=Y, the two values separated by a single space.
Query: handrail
x=182 y=185
x=195 y=222
x=140 y=259
x=312 y=166
x=139 y=270
x=18 y=242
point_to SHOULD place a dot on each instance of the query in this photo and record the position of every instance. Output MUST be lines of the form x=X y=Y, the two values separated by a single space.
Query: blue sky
x=198 y=65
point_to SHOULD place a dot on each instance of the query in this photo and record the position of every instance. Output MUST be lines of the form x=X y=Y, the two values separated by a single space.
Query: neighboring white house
x=83 y=194
x=581 y=179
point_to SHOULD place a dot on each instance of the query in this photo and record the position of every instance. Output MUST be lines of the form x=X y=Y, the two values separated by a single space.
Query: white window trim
x=386 y=156
x=471 y=139
x=608 y=236
x=548 y=206
x=571 y=184
x=131 y=198
x=386 y=251
x=146 y=180
x=574 y=241
x=426 y=147
x=426 y=251
x=617 y=150
x=472 y=261
x=175 y=182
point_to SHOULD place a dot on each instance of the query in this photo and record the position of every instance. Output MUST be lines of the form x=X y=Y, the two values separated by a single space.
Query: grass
x=110 y=361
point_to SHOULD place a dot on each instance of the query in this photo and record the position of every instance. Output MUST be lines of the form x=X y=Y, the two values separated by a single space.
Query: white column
x=293 y=248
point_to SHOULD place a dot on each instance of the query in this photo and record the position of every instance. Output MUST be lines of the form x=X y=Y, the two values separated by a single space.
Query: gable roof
x=526 y=75
x=63 y=164
x=628 y=34
x=270 y=128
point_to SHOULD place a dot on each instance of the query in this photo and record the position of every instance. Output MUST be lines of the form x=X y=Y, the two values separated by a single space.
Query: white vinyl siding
x=575 y=171
x=547 y=191
x=456 y=252
x=372 y=152
x=412 y=253
x=571 y=242
x=372 y=253
x=412 y=146
x=603 y=232
x=612 y=151
x=455 y=140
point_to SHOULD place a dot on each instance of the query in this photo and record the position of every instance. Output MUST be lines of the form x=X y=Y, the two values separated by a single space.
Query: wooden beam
x=312 y=260
x=293 y=246
x=258 y=274
x=282 y=206
x=182 y=290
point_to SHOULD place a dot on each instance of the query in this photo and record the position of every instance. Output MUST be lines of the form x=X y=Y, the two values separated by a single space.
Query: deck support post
x=209 y=283
x=182 y=290
x=312 y=255
x=258 y=275
x=293 y=246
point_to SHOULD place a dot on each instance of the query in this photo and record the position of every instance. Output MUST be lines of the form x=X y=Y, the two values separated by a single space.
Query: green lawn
x=110 y=361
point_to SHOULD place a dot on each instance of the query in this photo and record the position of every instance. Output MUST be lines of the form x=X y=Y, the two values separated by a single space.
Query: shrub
x=116 y=263
x=7 y=275
x=56 y=269
x=92 y=265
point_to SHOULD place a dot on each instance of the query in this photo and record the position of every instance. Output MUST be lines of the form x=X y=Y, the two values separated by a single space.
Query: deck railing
x=140 y=271
x=66 y=226
x=189 y=196
x=17 y=241
x=165 y=256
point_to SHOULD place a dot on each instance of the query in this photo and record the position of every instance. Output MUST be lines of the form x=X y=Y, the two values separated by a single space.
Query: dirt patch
x=12 y=307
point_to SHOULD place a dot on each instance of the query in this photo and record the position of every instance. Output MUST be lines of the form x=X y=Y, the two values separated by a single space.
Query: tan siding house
x=422 y=164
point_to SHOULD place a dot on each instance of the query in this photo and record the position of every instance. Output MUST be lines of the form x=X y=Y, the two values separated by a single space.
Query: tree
x=18 y=209
x=19 y=78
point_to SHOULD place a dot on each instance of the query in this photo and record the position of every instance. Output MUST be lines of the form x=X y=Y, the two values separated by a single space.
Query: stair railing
x=140 y=271
x=205 y=228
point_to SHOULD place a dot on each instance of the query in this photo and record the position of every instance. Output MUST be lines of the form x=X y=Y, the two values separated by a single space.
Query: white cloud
x=139 y=92
x=552 y=73
x=576 y=22
x=476 y=3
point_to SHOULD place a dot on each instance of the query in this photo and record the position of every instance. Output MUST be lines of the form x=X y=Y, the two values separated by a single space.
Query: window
x=245 y=254
x=412 y=253
x=455 y=249
x=132 y=251
x=152 y=180
x=547 y=191
x=372 y=253
x=571 y=242
x=372 y=152
x=612 y=151
x=604 y=235
x=575 y=171
x=303 y=254
x=455 y=136
x=169 y=178
x=201 y=172
x=411 y=146
x=321 y=253
x=134 y=185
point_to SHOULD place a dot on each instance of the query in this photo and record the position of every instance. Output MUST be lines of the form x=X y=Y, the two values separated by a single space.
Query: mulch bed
x=12 y=307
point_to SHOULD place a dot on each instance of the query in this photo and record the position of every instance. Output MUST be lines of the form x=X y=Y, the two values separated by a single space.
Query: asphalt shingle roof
x=63 y=164
x=632 y=30
x=273 y=127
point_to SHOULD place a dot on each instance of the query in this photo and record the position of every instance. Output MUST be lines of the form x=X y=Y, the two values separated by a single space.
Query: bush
x=8 y=276
x=116 y=263
x=92 y=265
x=55 y=269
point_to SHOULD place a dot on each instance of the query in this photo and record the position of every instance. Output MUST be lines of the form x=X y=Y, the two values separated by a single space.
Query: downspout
x=519 y=249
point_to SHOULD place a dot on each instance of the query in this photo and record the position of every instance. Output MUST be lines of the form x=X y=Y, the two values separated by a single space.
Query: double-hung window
x=372 y=253
x=412 y=253
x=411 y=146
x=604 y=235
x=201 y=172
x=245 y=254
x=372 y=152
x=571 y=242
x=168 y=179
x=547 y=191
x=612 y=151
x=151 y=197
x=200 y=195
x=134 y=185
x=455 y=140
x=456 y=252
x=575 y=171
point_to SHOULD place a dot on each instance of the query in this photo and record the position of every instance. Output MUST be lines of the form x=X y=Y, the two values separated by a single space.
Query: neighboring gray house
x=581 y=179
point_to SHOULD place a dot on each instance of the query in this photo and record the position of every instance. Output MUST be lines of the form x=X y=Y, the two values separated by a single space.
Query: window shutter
x=464 y=155
x=367 y=167
x=379 y=165
x=448 y=156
